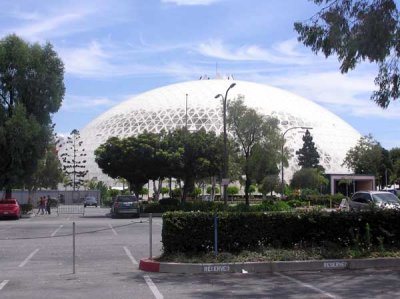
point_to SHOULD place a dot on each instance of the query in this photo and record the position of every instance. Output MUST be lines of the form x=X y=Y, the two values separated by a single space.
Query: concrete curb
x=149 y=265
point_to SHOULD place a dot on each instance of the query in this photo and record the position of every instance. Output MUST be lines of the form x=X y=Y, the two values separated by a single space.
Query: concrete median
x=276 y=266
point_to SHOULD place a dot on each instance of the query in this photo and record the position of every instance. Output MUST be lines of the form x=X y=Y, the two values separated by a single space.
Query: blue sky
x=113 y=50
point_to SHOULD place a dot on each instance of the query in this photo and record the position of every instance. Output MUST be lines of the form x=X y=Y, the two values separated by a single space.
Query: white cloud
x=77 y=103
x=59 y=19
x=37 y=29
x=104 y=60
x=87 y=61
x=282 y=53
x=340 y=93
x=191 y=2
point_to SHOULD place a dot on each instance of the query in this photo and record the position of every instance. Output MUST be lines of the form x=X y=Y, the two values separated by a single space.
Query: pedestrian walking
x=48 y=202
x=42 y=202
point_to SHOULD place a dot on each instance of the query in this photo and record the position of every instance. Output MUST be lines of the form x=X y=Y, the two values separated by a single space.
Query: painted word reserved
x=218 y=268
x=333 y=265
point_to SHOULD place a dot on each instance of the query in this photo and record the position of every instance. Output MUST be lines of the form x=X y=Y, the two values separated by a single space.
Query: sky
x=113 y=50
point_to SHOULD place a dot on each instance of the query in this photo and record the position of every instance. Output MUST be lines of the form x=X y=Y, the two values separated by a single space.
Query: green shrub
x=169 y=201
x=107 y=202
x=196 y=192
x=232 y=190
x=164 y=190
x=144 y=191
x=176 y=193
x=209 y=188
x=193 y=232
x=295 y=203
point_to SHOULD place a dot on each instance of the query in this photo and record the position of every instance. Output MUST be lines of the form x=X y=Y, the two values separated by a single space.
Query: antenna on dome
x=217 y=75
x=186 y=115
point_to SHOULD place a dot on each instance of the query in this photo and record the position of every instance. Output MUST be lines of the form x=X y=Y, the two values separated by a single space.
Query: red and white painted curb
x=149 y=265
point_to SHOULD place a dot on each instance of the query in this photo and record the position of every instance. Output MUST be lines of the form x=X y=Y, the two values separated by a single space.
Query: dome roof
x=165 y=108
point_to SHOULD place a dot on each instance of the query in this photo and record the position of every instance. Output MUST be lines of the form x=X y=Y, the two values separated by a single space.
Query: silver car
x=365 y=200
x=90 y=201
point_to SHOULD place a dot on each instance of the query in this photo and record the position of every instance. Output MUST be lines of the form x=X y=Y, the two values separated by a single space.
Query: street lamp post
x=225 y=169
x=283 y=144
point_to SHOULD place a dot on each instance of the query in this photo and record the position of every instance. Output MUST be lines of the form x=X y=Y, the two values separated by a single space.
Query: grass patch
x=269 y=254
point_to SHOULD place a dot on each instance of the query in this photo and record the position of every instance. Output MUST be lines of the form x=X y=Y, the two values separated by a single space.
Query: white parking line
x=3 y=284
x=307 y=285
x=28 y=258
x=54 y=233
x=113 y=230
x=129 y=254
x=153 y=287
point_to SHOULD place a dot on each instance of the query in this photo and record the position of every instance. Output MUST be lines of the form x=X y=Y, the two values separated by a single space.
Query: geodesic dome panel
x=165 y=109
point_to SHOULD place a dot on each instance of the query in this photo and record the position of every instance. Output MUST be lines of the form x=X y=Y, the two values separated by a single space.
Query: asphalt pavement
x=36 y=262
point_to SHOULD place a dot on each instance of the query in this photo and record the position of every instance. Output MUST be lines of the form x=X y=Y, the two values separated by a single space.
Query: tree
x=394 y=155
x=355 y=31
x=253 y=134
x=232 y=190
x=123 y=158
x=308 y=155
x=308 y=178
x=196 y=155
x=31 y=89
x=365 y=157
x=209 y=190
x=48 y=173
x=94 y=184
x=73 y=160
x=164 y=190
x=269 y=183
x=385 y=169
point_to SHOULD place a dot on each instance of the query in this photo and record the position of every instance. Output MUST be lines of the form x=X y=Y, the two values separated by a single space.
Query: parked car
x=10 y=208
x=364 y=200
x=125 y=205
x=90 y=201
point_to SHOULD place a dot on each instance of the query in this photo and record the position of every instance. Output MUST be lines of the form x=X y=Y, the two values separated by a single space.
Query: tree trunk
x=213 y=188
x=246 y=191
x=155 y=191
x=189 y=186
x=170 y=187
x=8 y=194
x=247 y=181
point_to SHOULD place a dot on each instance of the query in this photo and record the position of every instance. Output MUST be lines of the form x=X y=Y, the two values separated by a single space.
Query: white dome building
x=165 y=108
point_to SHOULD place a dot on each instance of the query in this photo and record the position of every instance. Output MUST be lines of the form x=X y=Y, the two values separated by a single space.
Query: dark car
x=364 y=200
x=10 y=208
x=90 y=201
x=125 y=205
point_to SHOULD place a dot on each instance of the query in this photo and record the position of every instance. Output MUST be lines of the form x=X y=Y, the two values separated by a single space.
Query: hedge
x=213 y=206
x=194 y=232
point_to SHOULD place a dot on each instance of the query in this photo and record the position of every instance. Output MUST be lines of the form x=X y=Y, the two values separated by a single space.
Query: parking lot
x=36 y=262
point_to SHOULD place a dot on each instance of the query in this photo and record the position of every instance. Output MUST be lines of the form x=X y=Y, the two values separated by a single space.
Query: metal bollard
x=73 y=247
x=215 y=235
x=151 y=235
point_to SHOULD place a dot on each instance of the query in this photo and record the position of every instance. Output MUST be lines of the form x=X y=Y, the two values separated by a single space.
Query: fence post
x=73 y=247
x=151 y=235
x=215 y=234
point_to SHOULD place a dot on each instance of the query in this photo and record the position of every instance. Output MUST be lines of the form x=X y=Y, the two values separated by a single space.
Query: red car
x=10 y=208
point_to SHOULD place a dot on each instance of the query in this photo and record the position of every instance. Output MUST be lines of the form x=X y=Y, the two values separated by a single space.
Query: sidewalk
x=149 y=265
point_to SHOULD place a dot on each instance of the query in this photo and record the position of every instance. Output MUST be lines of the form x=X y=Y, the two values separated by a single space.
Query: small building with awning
x=347 y=184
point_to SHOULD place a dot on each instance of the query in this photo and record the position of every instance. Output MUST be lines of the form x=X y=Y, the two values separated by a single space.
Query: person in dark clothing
x=48 y=205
